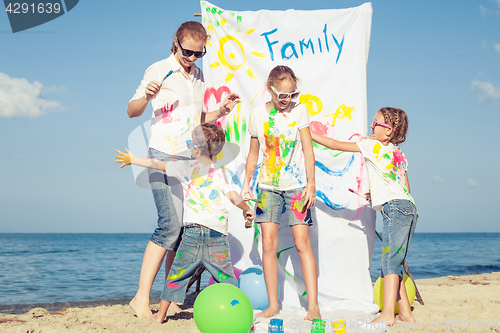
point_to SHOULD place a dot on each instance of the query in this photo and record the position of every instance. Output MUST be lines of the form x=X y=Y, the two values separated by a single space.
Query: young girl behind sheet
x=280 y=129
x=390 y=194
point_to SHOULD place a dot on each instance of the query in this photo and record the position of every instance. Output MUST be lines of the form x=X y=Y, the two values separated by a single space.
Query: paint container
x=318 y=326
x=339 y=326
x=275 y=326
x=299 y=204
x=248 y=224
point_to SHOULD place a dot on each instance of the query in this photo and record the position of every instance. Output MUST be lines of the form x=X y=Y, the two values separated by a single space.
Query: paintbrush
x=168 y=74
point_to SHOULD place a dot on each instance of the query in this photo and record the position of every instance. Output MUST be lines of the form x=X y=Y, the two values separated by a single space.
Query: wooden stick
x=197 y=14
x=196 y=277
x=407 y=270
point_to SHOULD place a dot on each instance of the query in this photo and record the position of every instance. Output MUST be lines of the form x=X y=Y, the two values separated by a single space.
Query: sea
x=57 y=270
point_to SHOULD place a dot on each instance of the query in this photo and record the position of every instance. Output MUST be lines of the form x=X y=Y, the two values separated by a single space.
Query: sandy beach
x=468 y=303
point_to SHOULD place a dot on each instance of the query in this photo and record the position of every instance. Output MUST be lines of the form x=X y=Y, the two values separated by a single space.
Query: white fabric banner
x=328 y=51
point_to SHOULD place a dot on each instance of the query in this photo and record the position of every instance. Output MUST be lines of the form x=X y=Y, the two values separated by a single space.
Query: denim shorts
x=198 y=246
x=168 y=196
x=273 y=203
x=400 y=219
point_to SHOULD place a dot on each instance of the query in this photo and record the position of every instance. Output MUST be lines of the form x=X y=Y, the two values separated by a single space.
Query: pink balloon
x=237 y=273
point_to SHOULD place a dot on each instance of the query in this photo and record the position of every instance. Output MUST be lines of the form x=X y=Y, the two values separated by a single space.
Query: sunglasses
x=376 y=123
x=188 y=53
x=282 y=96
x=190 y=144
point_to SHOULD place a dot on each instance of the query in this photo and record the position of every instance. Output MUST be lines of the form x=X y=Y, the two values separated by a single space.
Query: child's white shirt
x=387 y=166
x=205 y=189
x=283 y=166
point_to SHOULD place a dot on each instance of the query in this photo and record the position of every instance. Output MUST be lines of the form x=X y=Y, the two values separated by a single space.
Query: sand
x=469 y=303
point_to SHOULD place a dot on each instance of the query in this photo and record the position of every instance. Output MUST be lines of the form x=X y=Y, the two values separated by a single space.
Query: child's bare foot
x=408 y=319
x=158 y=318
x=388 y=320
x=174 y=308
x=269 y=312
x=141 y=307
x=313 y=313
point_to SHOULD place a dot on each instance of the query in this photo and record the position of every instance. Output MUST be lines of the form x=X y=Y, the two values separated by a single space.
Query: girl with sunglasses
x=390 y=194
x=280 y=129
x=175 y=87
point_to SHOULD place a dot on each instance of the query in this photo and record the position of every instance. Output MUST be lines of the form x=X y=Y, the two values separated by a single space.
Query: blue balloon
x=252 y=283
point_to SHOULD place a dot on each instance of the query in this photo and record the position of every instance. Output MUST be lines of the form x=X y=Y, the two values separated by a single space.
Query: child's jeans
x=199 y=245
x=400 y=220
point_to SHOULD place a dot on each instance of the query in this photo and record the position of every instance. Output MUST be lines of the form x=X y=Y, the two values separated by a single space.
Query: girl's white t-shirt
x=283 y=167
x=387 y=166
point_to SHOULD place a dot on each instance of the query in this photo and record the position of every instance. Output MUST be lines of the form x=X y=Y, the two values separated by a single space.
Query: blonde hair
x=193 y=29
x=210 y=138
x=398 y=120
x=278 y=74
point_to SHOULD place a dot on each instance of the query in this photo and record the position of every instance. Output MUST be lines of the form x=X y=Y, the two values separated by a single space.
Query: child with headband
x=389 y=194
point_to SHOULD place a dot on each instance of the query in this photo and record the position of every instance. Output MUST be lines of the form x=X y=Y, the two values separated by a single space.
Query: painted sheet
x=328 y=51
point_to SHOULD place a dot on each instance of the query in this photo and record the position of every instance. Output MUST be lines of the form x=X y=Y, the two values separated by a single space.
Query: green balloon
x=223 y=308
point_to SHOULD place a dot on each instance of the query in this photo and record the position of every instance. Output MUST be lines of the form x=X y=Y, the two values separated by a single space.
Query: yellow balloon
x=378 y=292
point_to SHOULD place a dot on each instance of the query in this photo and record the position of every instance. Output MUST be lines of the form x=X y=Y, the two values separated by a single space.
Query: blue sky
x=68 y=83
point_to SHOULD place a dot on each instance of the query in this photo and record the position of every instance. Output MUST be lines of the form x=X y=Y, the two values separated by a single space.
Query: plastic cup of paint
x=318 y=326
x=338 y=326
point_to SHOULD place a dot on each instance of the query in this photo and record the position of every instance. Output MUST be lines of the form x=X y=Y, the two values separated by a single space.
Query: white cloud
x=472 y=182
x=497 y=48
x=485 y=91
x=436 y=179
x=22 y=99
x=484 y=11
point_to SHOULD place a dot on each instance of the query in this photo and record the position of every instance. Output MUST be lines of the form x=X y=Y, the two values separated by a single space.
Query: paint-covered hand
x=124 y=158
x=309 y=195
x=228 y=104
x=152 y=89
x=246 y=193
x=248 y=214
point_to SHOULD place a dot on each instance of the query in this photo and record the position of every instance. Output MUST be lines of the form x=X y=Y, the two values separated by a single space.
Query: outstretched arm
x=128 y=158
x=225 y=108
x=334 y=144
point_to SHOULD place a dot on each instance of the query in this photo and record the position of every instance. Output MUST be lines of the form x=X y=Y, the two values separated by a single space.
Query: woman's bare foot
x=385 y=319
x=313 y=313
x=141 y=307
x=269 y=312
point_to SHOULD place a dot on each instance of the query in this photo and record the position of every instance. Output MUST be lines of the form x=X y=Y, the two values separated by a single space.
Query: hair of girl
x=193 y=29
x=280 y=73
x=398 y=120
x=210 y=138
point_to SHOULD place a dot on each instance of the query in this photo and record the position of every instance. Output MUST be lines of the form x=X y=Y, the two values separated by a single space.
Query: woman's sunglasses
x=188 y=53
x=282 y=96
x=376 y=123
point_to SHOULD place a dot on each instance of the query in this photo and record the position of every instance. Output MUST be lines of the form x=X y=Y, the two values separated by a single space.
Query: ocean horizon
x=54 y=270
